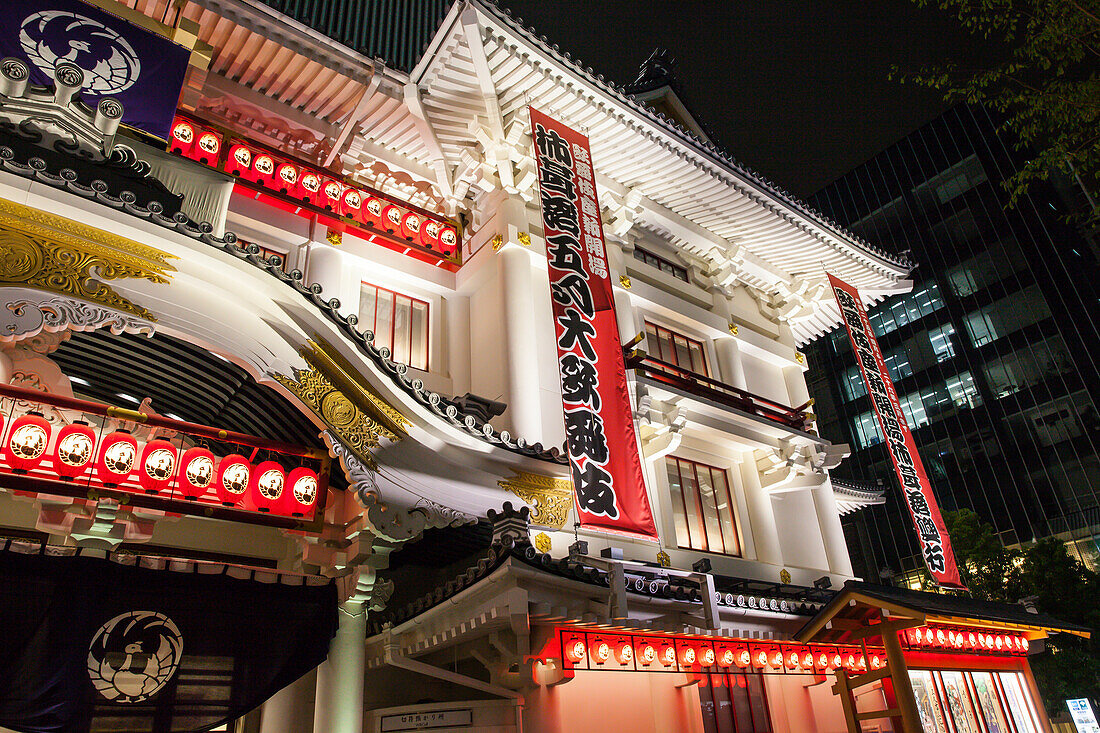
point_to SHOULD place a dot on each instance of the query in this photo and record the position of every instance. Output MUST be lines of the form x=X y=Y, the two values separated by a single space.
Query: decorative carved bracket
x=551 y=497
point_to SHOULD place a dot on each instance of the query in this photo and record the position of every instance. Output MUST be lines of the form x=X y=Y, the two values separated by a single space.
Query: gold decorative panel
x=552 y=497
x=48 y=252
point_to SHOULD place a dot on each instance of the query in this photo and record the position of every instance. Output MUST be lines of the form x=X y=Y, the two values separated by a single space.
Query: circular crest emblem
x=305 y=490
x=119 y=457
x=110 y=63
x=200 y=472
x=75 y=449
x=270 y=484
x=160 y=464
x=134 y=655
x=28 y=442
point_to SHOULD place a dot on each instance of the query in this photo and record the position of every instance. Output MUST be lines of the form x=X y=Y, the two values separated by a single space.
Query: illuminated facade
x=303 y=366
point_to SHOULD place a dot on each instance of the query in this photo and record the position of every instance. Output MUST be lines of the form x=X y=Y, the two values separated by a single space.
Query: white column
x=795 y=379
x=290 y=710
x=522 y=353
x=328 y=267
x=339 y=706
x=458 y=343
x=761 y=514
x=729 y=361
x=832 y=533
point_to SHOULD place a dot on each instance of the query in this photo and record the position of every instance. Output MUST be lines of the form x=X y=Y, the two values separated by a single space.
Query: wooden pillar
x=899 y=679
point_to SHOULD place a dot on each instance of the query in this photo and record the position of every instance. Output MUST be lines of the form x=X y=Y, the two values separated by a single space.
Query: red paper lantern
x=575 y=651
x=352 y=201
x=624 y=653
x=760 y=659
x=823 y=661
x=429 y=233
x=837 y=661
x=117 y=455
x=286 y=177
x=372 y=210
x=158 y=466
x=448 y=240
x=725 y=657
x=233 y=476
x=263 y=166
x=808 y=661
x=302 y=486
x=647 y=655
x=792 y=660
x=743 y=659
x=688 y=656
x=183 y=137
x=74 y=450
x=601 y=651
x=333 y=192
x=668 y=656
x=410 y=226
x=196 y=472
x=239 y=161
x=266 y=486
x=706 y=656
x=207 y=148
x=309 y=186
x=391 y=219
x=27 y=442
x=776 y=659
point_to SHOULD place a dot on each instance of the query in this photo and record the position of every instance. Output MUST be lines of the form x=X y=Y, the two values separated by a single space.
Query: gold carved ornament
x=552 y=497
x=336 y=394
x=48 y=252
x=542 y=542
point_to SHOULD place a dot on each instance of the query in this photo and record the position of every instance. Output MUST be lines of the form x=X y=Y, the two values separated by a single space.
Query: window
x=1028 y=366
x=399 y=322
x=898 y=312
x=676 y=348
x=703 y=507
x=852 y=383
x=1005 y=316
x=677 y=271
x=981 y=271
x=865 y=430
x=735 y=702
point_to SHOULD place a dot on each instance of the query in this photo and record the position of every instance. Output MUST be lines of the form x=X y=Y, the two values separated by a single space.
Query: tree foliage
x=1055 y=582
x=1041 y=76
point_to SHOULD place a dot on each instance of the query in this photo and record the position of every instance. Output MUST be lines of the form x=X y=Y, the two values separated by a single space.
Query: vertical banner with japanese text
x=934 y=542
x=608 y=486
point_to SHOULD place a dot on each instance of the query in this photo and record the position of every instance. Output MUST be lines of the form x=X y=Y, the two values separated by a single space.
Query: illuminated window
x=897 y=312
x=865 y=430
x=1007 y=315
x=675 y=348
x=399 y=322
x=702 y=503
x=677 y=271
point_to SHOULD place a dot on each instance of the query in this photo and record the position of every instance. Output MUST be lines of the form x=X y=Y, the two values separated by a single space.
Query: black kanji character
x=595 y=492
x=584 y=432
x=933 y=557
x=560 y=214
x=579 y=381
x=576 y=330
x=552 y=145
x=554 y=176
x=565 y=254
x=573 y=289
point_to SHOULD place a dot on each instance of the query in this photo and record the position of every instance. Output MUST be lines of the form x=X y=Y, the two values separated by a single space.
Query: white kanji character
x=586 y=188
x=580 y=154
x=597 y=267
x=588 y=206
x=593 y=245
x=592 y=226
x=584 y=171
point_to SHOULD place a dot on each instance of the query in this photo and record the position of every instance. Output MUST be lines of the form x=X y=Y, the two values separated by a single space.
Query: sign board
x=934 y=541
x=426 y=720
x=608 y=486
x=1083 y=717
x=141 y=69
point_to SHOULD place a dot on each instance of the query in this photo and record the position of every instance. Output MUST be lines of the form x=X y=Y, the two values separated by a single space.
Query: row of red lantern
x=928 y=637
x=312 y=186
x=605 y=650
x=234 y=480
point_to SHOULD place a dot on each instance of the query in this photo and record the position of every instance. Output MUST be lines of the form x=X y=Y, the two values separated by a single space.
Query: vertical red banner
x=934 y=542
x=608 y=486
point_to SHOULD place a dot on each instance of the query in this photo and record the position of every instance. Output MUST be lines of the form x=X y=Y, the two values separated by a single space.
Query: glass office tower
x=994 y=352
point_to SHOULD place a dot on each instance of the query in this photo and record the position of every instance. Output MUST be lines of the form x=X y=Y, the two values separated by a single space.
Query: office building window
x=979 y=272
x=897 y=364
x=941 y=339
x=1028 y=366
x=399 y=322
x=865 y=430
x=892 y=315
x=1005 y=316
x=675 y=348
x=703 y=507
x=852 y=383
x=677 y=271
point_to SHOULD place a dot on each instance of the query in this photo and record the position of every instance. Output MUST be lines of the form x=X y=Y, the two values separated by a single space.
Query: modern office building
x=993 y=352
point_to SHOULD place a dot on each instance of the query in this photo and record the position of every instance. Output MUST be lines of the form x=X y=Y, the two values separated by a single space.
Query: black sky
x=796 y=90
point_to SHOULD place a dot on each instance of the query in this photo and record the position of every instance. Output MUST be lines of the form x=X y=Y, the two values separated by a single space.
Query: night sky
x=795 y=90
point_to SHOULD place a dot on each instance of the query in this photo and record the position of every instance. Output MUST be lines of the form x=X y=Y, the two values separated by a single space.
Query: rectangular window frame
x=658 y=352
x=661 y=263
x=396 y=297
x=703 y=529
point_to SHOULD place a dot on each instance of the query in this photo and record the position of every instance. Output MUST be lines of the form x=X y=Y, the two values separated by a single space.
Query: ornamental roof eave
x=434 y=408
x=710 y=153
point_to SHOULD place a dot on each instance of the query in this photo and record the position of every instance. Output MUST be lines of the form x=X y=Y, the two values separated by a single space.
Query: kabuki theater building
x=437 y=384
